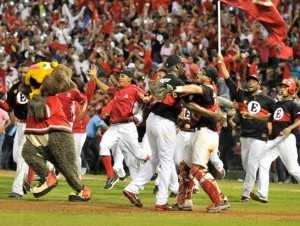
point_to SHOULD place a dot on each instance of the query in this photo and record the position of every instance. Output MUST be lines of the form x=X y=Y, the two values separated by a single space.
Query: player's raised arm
x=222 y=66
x=92 y=73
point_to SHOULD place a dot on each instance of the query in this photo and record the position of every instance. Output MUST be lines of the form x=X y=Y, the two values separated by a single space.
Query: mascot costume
x=48 y=133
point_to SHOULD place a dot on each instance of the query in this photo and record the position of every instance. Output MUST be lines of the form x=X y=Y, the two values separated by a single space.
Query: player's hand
x=287 y=131
x=220 y=58
x=246 y=115
x=145 y=99
x=220 y=117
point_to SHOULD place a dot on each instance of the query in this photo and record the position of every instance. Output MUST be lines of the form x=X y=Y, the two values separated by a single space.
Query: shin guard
x=207 y=182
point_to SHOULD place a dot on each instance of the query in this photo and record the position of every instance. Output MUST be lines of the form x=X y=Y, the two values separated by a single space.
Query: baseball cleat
x=133 y=198
x=165 y=207
x=155 y=175
x=173 y=195
x=82 y=196
x=46 y=187
x=225 y=205
x=26 y=188
x=245 y=199
x=155 y=189
x=213 y=208
x=110 y=182
x=176 y=207
x=15 y=195
x=196 y=191
x=258 y=198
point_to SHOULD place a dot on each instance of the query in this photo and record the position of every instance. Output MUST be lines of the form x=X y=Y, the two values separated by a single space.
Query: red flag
x=286 y=52
x=266 y=13
x=286 y=71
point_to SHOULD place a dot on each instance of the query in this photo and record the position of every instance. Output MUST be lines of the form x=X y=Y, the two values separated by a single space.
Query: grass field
x=111 y=208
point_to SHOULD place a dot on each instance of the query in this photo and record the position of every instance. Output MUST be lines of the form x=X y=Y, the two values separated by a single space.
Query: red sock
x=106 y=159
x=30 y=176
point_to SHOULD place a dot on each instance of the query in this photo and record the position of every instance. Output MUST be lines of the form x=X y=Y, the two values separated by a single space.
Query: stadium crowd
x=140 y=35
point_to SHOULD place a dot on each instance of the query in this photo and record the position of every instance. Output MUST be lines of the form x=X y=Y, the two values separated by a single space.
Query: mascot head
x=36 y=75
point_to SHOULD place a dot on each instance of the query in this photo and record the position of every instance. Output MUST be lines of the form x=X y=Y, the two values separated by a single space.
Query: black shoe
x=155 y=175
x=155 y=189
x=122 y=178
x=15 y=195
x=26 y=188
x=110 y=182
x=172 y=195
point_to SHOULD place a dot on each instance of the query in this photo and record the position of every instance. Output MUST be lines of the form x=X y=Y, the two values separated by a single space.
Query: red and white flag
x=266 y=13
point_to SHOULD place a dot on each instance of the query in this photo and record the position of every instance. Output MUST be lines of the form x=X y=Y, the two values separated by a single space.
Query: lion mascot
x=48 y=133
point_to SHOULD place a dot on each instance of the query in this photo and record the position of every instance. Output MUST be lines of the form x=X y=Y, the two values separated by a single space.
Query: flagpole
x=219 y=26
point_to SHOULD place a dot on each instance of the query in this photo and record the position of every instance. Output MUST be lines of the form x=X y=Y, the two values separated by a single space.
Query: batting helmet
x=289 y=82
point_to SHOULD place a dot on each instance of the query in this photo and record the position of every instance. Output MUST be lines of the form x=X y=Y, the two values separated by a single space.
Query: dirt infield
x=282 y=209
x=38 y=205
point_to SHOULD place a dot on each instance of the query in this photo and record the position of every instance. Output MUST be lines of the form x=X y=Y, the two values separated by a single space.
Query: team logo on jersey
x=278 y=114
x=21 y=99
x=187 y=114
x=253 y=107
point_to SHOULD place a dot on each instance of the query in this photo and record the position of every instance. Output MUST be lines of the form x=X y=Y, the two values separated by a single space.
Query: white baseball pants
x=126 y=133
x=161 y=133
x=79 y=139
x=285 y=148
x=251 y=150
x=22 y=167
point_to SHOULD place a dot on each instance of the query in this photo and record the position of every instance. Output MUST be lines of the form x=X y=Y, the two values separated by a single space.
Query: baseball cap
x=255 y=77
x=127 y=72
x=210 y=72
x=173 y=60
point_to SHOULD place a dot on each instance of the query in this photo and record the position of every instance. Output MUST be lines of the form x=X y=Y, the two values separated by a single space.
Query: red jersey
x=79 y=125
x=68 y=100
x=55 y=119
x=123 y=102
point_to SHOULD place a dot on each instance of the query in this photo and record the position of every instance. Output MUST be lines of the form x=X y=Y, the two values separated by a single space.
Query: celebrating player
x=285 y=128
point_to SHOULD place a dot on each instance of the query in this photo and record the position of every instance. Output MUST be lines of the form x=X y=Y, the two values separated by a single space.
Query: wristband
x=178 y=89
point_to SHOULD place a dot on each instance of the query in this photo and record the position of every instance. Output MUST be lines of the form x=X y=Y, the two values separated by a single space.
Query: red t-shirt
x=68 y=100
x=55 y=119
x=123 y=102
x=79 y=125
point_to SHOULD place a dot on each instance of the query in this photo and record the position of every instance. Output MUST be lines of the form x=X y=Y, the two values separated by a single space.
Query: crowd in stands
x=137 y=34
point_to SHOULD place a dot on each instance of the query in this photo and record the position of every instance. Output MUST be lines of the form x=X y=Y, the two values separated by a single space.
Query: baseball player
x=73 y=101
x=122 y=125
x=285 y=128
x=204 y=143
x=17 y=102
x=254 y=133
x=161 y=132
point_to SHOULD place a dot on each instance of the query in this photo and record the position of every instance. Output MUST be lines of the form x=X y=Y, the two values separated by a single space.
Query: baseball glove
x=159 y=90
